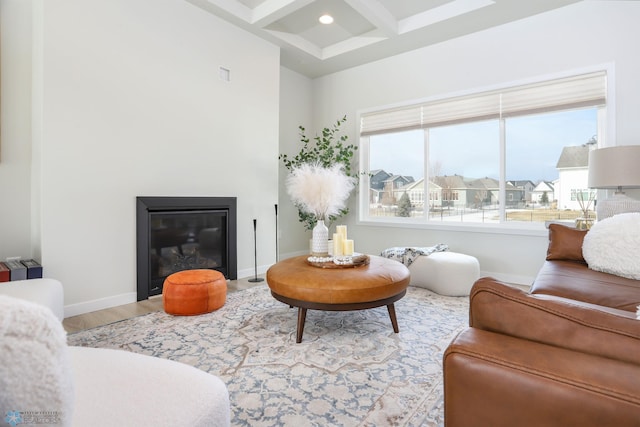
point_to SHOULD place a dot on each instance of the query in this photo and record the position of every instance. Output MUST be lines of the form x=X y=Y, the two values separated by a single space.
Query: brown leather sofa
x=565 y=353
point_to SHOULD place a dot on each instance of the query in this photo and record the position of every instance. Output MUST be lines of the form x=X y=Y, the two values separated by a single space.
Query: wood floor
x=114 y=314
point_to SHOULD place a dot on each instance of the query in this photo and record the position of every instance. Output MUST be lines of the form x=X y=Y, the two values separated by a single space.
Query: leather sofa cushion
x=575 y=280
x=565 y=243
x=562 y=322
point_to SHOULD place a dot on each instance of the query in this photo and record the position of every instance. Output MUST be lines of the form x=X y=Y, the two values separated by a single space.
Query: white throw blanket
x=407 y=255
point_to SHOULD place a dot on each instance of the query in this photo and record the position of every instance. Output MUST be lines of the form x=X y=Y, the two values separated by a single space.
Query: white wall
x=129 y=104
x=577 y=36
x=15 y=128
x=296 y=109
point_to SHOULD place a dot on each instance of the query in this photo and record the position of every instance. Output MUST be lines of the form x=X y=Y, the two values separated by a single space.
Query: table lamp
x=615 y=168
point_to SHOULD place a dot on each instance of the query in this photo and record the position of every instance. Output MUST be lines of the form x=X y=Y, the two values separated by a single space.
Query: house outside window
x=506 y=155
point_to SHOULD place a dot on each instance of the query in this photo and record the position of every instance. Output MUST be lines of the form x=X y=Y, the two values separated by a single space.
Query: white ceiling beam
x=374 y=12
x=233 y=7
x=351 y=44
x=298 y=42
x=272 y=10
x=441 y=13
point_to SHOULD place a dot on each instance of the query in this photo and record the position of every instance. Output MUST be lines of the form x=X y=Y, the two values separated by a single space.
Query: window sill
x=512 y=228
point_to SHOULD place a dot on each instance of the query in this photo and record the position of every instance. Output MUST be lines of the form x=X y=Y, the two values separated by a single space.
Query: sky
x=534 y=145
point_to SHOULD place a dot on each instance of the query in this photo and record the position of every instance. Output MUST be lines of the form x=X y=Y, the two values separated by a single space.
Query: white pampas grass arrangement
x=319 y=190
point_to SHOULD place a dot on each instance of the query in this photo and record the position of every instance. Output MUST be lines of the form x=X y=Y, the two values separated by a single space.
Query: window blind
x=586 y=90
x=399 y=119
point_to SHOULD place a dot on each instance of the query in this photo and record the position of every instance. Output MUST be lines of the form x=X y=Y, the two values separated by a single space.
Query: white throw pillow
x=613 y=245
x=36 y=381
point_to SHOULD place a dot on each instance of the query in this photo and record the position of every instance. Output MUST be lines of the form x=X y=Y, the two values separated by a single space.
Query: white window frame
x=606 y=137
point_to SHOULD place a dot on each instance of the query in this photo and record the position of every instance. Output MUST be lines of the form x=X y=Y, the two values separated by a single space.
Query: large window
x=515 y=154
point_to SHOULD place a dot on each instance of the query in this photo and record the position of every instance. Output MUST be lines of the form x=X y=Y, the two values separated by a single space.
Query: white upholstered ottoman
x=445 y=273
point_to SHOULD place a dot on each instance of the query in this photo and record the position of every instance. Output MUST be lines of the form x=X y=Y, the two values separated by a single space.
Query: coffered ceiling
x=365 y=30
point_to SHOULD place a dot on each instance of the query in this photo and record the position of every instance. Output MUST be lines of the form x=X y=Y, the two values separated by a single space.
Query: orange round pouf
x=191 y=292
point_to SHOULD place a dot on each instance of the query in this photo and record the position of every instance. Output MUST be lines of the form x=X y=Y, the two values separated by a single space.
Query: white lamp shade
x=615 y=167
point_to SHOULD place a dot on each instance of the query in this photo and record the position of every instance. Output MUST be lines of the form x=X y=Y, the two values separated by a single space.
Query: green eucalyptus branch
x=327 y=149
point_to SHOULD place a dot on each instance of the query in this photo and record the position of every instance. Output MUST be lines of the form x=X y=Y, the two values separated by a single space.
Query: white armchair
x=47 y=292
x=40 y=376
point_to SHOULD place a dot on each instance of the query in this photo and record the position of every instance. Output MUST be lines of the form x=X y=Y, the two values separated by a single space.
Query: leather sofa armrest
x=500 y=381
x=562 y=322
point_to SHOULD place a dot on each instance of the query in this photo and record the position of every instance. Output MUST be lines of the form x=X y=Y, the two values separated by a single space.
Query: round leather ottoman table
x=191 y=292
x=296 y=282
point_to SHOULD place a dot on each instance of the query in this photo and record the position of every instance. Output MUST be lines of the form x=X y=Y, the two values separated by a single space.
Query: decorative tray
x=354 y=260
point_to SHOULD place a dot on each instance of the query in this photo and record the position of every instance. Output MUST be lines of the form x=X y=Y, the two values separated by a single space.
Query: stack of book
x=20 y=270
x=34 y=269
x=5 y=273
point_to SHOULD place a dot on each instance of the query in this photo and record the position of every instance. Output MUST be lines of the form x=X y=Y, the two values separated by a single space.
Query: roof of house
x=419 y=185
x=376 y=172
x=574 y=157
x=485 y=183
x=451 y=181
x=521 y=183
x=544 y=186
x=405 y=178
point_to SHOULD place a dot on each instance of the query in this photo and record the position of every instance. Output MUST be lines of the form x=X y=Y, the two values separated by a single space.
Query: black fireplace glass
x=186 y=240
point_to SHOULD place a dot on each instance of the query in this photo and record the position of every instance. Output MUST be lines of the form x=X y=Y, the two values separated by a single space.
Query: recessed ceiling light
x=326 y=19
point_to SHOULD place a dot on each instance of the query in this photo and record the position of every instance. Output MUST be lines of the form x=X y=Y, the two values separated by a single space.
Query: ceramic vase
x=320 y=240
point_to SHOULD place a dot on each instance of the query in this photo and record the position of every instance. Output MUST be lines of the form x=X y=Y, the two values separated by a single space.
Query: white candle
x=337 y=244
x=342 y=230
x=348 y=247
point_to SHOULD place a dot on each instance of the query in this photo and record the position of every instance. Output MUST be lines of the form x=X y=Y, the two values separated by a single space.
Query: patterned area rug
x=349 y=370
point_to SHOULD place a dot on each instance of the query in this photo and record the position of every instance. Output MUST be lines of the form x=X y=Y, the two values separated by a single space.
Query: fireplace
x=183 y=233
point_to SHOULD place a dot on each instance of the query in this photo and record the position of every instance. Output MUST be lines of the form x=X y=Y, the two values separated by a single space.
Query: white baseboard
x=99 y=304
x=250 y=272
x=292 y=254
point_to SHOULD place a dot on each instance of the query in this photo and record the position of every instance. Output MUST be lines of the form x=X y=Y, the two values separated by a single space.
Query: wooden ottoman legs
x=392 y=314
x=302 y=316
